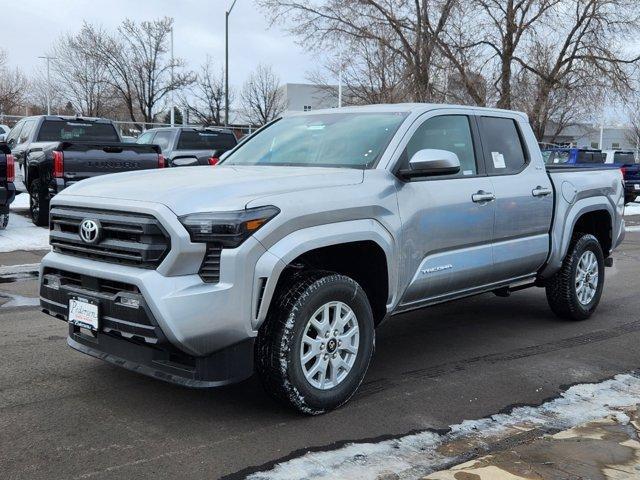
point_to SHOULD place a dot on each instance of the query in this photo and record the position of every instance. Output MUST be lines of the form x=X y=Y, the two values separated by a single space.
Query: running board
x=506 y=291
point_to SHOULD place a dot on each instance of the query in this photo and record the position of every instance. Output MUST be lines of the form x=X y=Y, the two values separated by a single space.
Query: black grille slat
x=210 y=268
x=127 y=238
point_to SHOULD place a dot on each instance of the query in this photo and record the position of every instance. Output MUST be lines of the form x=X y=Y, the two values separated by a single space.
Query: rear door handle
x=482 y=197
x=541 y=192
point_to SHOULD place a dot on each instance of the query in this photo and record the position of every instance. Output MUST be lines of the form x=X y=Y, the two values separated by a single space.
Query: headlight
x=228 y=229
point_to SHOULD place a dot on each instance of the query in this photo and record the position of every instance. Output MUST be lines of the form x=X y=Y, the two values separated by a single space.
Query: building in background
x=304 y=97
x=587 y=135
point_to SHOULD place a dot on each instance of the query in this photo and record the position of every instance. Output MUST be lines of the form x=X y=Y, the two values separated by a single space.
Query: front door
x=447 y=220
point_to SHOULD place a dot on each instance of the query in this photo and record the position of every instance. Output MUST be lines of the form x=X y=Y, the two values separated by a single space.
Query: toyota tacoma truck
x=54 y=152
x=283 y=259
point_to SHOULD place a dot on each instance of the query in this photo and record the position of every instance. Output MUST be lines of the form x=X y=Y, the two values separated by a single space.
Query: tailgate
x=86 y=160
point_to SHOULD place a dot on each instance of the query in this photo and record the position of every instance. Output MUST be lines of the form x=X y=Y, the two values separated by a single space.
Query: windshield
x=624 y=157
x=323 y=140
x=206 y=140
x=79 y=131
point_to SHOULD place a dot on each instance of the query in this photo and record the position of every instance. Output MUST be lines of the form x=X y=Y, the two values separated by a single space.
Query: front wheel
x=574 y=291
x=39 y=203
x=314 y=349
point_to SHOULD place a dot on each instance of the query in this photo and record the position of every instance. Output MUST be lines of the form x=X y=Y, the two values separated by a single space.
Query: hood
x=200 y=189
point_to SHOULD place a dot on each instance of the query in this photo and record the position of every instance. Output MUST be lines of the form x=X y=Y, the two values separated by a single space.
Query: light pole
x=226 y=63
x=173 y=118
x=48 y=59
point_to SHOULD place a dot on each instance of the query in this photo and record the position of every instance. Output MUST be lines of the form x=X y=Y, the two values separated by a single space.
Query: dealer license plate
x=83 y=313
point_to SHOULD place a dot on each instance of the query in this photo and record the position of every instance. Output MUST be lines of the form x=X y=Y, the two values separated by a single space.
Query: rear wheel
x=4 y=220
x=39 y=203
x=574 y=291
x=315 y=347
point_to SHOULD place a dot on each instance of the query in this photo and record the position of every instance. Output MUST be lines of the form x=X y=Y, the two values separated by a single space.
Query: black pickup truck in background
x=54 y=152
x=7 y=188
x=188 y=146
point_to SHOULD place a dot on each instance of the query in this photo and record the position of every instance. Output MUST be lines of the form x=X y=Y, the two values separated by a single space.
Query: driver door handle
x=541 y=192
x=482 y=197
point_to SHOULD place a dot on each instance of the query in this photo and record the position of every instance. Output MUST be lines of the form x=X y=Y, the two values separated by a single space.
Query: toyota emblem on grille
x=90 y=231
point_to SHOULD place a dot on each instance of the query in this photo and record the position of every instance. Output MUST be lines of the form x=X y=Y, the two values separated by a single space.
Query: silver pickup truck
x=283 y=258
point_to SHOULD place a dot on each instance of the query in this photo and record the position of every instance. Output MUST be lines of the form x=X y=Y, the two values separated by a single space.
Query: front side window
x=77 y=130
x=446 y=132
x=503 y=151
x=12 y=138
x=26 y=131
x=355 y=140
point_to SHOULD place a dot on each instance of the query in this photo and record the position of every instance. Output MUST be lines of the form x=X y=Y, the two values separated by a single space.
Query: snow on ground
x=21 y=233
x=416 y=455
x=632 y=209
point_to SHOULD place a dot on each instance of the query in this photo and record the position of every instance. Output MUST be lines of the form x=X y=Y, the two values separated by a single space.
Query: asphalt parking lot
x=66 y=415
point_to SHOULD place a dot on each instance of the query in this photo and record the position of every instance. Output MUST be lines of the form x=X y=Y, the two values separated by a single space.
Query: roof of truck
x=406 y=108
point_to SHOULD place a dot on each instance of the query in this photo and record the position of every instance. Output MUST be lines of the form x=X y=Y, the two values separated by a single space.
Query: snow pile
x=21 y=233
x=414 y=456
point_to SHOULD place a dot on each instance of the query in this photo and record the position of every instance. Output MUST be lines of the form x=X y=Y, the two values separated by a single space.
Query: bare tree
x=409 y=30
x=138 y=65
x=581 y=54
x=13 y=87
x=38 y=90
x=83 y=77
x=205 y=99
x=262 y=96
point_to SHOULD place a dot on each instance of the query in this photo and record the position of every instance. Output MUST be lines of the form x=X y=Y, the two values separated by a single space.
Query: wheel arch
x=350 y=243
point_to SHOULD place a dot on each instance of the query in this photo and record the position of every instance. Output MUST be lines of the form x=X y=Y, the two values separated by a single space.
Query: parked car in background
x=7 y=188
x=572 y=156
x=626 y=160
x=285 y=257
x=4 y=131
x=187 y=146
x=54 y=152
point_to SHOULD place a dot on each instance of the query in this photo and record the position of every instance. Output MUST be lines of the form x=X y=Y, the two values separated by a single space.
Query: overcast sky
x=199 y=31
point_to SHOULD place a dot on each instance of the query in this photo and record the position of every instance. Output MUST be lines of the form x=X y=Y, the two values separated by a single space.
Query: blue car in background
x=588 y=157
x=573 y=156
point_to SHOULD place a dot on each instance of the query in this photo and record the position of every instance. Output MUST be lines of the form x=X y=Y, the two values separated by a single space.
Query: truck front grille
x=127 y=238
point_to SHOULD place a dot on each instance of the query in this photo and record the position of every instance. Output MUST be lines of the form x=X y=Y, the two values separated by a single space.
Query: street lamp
x=48 y=59
x=226 y=63
x=173 y=118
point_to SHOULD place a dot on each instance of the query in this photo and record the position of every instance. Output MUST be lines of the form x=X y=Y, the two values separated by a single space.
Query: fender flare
x=271 y=264
x=562 y=237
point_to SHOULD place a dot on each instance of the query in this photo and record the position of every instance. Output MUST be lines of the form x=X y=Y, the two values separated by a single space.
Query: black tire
x=39 y=203
x=279 y=341
x=629 y=199
x=4 y=220
x=561 y=288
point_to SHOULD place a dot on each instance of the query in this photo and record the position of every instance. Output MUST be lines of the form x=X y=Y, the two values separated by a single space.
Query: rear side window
x=163 y=139
x=502 y=145
x=78 y=131
x=208 y=140
x=554 y=158
x=146 y=137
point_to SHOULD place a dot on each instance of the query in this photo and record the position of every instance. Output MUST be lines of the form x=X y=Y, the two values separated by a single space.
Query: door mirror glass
x=430 y=161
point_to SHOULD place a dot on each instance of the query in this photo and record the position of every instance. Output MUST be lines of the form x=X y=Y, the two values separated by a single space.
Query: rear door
x=447 y=220
x=524 y=197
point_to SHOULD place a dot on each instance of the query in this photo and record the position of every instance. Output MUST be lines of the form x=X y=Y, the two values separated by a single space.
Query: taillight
x=58 y=164
x=11 y=168
x=213 y=161
x=161 y=161
x=623 y=170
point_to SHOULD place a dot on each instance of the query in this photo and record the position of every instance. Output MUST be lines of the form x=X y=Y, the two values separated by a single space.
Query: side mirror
x=429 y=162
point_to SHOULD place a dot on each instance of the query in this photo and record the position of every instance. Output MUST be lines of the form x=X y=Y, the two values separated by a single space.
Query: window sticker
x=498 y=160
